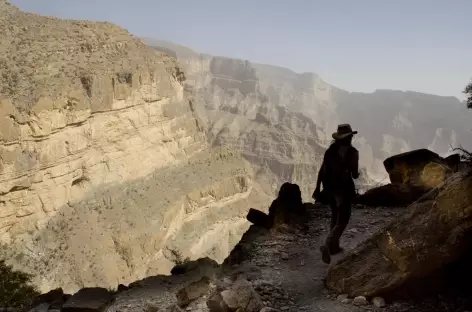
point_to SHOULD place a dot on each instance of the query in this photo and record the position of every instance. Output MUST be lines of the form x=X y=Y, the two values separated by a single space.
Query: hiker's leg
x=325 y=249
x=333 y=204
x=334 y=215
x=343 y=220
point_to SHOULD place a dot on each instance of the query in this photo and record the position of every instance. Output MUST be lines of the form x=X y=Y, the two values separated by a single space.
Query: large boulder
x=429 y=236
x=420 y=168
x=390 y=195
x=287 y=209
x=259 y=218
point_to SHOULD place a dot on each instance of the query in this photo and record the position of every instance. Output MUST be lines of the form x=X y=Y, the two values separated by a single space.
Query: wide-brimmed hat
x=344 y=130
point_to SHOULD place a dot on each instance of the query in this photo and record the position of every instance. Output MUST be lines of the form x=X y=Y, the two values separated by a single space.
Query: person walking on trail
x=340 y=165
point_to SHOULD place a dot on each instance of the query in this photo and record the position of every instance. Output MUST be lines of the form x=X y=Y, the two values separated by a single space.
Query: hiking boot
x=336 y=250
x=325 y=256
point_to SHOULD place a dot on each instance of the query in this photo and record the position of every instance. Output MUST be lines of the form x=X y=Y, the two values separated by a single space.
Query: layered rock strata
x=105 y=173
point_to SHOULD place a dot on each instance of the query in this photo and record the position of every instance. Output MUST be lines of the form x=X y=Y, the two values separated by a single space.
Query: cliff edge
x=104 y=169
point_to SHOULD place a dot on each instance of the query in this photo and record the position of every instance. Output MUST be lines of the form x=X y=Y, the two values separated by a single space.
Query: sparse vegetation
x=16 y=290
x=465 y=154
x=178 y=74
x=178 y=257
x=468 y=93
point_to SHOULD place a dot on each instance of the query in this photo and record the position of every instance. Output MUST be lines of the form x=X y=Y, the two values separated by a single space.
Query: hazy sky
x=361 y=45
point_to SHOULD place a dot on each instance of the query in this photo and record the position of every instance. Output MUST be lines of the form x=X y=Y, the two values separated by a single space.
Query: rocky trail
x=282 y=265
x=292 y=262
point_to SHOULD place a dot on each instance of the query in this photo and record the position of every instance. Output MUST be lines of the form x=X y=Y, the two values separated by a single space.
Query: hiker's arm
x=355 y=164
x=320 y=177
x=317 y=191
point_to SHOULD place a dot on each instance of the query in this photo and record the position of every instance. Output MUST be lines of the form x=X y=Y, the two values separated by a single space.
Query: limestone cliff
x=105 y=172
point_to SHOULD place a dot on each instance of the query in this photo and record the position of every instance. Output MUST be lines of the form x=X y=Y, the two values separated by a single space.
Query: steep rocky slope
x=389 y=122
x=105 y=173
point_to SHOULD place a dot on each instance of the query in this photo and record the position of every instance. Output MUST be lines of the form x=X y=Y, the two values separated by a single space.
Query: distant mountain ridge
x=388 y=121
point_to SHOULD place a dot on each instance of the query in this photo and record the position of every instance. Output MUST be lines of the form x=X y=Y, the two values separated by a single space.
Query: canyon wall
x=281 y=144
x=106 y=175
x=389 y=122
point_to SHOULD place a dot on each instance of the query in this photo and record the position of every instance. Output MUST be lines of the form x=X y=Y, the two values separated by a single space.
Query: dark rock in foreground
x=420 y=168
x=287 y=209
x=390 y=195
x=88 y=300
x=431 y=235
x=412 y=175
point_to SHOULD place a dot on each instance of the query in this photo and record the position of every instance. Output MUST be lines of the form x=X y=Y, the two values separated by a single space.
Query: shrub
x=466 y=156
x=16 y=290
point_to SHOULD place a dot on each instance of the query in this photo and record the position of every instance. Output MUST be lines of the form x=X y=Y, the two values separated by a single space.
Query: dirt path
x=289 y=265
x=287 y=271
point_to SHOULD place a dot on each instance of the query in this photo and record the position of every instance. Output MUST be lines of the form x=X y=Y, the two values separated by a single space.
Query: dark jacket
x=350 y=157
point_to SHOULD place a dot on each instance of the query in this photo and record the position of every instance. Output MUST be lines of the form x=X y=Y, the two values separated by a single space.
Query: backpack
x=337 y=175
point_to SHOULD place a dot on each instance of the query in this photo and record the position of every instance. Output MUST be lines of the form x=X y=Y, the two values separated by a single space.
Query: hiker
x=340 y=165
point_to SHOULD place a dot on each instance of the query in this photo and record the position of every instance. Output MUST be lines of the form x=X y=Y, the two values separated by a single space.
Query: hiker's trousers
x=340 y=215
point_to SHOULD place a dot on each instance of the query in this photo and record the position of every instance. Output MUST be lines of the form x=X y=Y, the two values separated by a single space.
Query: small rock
x=230 y=298
x=216 y=304
x=267 y=309
x=285 y=308
x=284 y=256
x=342 y=297
x=173 y=308
x=346 y=301
x=379 y=302
x=353 y=230
x=360 y=301
x=42 y=307
x=88 y=299
x=55 y=295
x=192 y=291
x=149 y=308
x=242 y=295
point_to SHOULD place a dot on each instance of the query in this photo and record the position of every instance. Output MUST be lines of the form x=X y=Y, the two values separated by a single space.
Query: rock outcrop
x=286 y=210
x=105 y=171
x=412 y=175
x=420 y=168
x=430 y=236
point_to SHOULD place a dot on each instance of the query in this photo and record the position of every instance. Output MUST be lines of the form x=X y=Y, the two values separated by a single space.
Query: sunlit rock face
x=106 y=174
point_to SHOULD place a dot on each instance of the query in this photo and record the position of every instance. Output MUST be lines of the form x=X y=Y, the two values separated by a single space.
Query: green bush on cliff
x=16 y=290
